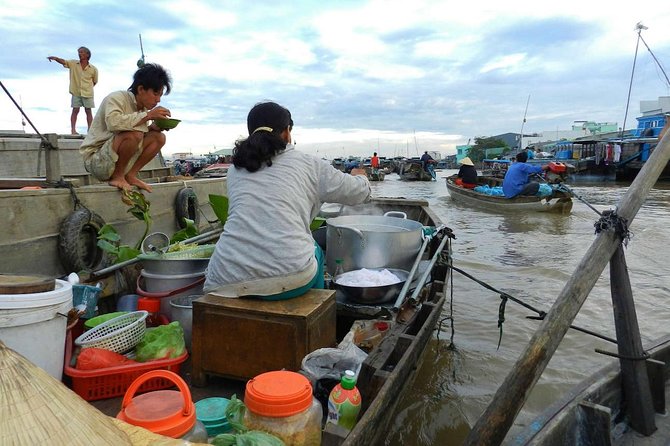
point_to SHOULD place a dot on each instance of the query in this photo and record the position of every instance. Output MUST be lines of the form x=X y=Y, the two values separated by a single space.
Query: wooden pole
x=636 y=390
x=498 y=417
x=52 y=159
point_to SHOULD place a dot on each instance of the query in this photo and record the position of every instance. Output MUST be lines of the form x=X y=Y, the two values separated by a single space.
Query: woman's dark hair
x=522 y=156
x=266 y=122
x=151 y=76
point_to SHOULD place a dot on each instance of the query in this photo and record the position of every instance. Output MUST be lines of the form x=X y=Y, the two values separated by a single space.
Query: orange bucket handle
x=166 y=374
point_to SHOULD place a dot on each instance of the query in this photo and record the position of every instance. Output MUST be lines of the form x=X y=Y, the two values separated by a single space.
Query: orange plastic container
x=281 y=402
x=111 y=382
x=165 y=412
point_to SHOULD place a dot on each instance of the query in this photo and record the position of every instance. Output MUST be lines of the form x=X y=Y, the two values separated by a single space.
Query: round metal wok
x=374 y=294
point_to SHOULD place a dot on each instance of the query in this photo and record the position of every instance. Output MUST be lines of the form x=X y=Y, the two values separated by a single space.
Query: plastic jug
x=344 y=402
x=165 y=412
x=281 y=403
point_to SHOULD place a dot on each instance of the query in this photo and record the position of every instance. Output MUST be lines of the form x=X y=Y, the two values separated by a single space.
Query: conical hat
x=35 y=408
x=467 y=161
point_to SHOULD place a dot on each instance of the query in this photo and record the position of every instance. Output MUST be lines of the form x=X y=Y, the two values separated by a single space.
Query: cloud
x=354 y=74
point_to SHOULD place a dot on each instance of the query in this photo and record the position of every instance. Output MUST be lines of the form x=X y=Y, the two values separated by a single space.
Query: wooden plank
x=655 y=372
x=639 y=405
x=594 y=429
x=513 y=392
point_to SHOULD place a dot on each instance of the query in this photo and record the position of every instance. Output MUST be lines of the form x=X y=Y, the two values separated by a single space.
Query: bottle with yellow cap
x=344 y=402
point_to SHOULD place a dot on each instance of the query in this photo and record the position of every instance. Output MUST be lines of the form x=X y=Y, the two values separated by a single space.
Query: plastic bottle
x=344 y=402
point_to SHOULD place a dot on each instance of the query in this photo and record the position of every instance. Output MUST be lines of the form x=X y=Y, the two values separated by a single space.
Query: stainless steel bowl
x=375 y=294
x=179 y=262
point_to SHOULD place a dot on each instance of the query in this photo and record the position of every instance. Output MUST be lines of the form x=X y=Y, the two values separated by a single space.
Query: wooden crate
x=241 y=338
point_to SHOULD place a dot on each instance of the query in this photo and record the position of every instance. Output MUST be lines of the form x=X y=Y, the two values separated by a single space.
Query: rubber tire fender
x=78 y=241
x=186 y=206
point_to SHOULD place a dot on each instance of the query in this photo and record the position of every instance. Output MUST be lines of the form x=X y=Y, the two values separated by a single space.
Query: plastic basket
x=119 y=335
x=112 y=382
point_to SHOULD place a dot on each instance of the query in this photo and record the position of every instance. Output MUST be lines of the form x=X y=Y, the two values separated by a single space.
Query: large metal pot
x=179 y=262
x=366 y=241
x=374 y=294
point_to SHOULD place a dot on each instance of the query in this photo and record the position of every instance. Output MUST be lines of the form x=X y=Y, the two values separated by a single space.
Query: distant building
x=578 y=129
x=462 y=152
x=653 y=117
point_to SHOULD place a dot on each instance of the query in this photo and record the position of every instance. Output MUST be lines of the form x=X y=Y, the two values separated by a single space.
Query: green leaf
x=183 y=234
x=108 y=247
x=108 y=232
x=126 y=253
x=316 y=223
x=219 y=206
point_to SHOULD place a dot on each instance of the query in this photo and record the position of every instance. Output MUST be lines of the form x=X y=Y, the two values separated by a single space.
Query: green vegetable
x=162 y=342
x=249 y=438
x=219 y=206
x=235 y=414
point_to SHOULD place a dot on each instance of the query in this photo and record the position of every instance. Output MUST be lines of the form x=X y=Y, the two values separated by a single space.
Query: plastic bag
x=162 y=342
x=98 y=358
x=332 y=362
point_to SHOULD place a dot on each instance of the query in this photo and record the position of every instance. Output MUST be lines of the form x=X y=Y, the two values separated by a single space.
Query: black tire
x=186 y=206
x=78 y=241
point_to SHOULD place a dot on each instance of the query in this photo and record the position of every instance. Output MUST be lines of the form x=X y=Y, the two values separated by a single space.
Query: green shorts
x=101 y=164
x=80 y=101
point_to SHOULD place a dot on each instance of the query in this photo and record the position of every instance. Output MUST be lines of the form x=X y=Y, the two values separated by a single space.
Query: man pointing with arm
x=83 y=77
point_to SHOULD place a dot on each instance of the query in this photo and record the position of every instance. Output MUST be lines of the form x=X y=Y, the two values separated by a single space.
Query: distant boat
x=559 y=201
x=412 y=170
x=374 y=174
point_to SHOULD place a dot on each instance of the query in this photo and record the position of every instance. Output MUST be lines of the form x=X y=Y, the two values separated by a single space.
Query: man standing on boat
x=83 y=77
x=120 y=142
x=516 y=180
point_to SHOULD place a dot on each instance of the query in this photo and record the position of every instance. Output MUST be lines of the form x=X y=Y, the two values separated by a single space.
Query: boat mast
x=639 y=27
x=522 y=124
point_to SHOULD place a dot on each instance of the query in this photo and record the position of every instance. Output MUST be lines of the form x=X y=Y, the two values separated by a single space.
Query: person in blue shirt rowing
x=516 y=180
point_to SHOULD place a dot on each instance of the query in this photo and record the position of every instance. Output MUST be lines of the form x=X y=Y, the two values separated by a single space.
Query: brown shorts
x=101 y=164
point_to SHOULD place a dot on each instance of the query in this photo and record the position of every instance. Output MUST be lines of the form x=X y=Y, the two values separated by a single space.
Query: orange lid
x=278 y=394
x=165 y=412
x=150 y=305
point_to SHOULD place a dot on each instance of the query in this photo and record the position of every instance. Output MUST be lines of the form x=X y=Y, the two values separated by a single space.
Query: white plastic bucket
x=170 y=286
x=34 y=325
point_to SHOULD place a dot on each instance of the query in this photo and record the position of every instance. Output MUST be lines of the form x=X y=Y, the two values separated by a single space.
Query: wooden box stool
x=241 y=338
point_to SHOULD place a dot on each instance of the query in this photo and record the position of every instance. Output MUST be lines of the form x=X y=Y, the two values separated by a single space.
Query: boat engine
x=557 y=172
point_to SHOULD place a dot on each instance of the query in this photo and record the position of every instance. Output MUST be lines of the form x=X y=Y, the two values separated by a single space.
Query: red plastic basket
x=111 y=382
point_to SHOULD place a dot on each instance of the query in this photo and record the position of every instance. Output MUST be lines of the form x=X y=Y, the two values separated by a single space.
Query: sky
x=395 y=77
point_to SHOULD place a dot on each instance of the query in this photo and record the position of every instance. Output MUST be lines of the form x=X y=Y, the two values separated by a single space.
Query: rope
x=507 y=297
x=611 y=221
x=564 y=188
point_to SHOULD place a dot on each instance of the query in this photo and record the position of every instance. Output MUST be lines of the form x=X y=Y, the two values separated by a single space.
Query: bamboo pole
x=493 y=425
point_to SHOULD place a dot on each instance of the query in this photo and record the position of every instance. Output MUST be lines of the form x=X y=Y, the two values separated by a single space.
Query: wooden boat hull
x=32 y=219
x=558 y=203
x=36 y=208
x=582 y=417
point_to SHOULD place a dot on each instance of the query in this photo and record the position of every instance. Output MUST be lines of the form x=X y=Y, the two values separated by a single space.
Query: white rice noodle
x=367 y=278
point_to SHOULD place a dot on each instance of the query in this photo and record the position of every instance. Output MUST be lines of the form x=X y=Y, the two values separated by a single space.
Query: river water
x=529 y=257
